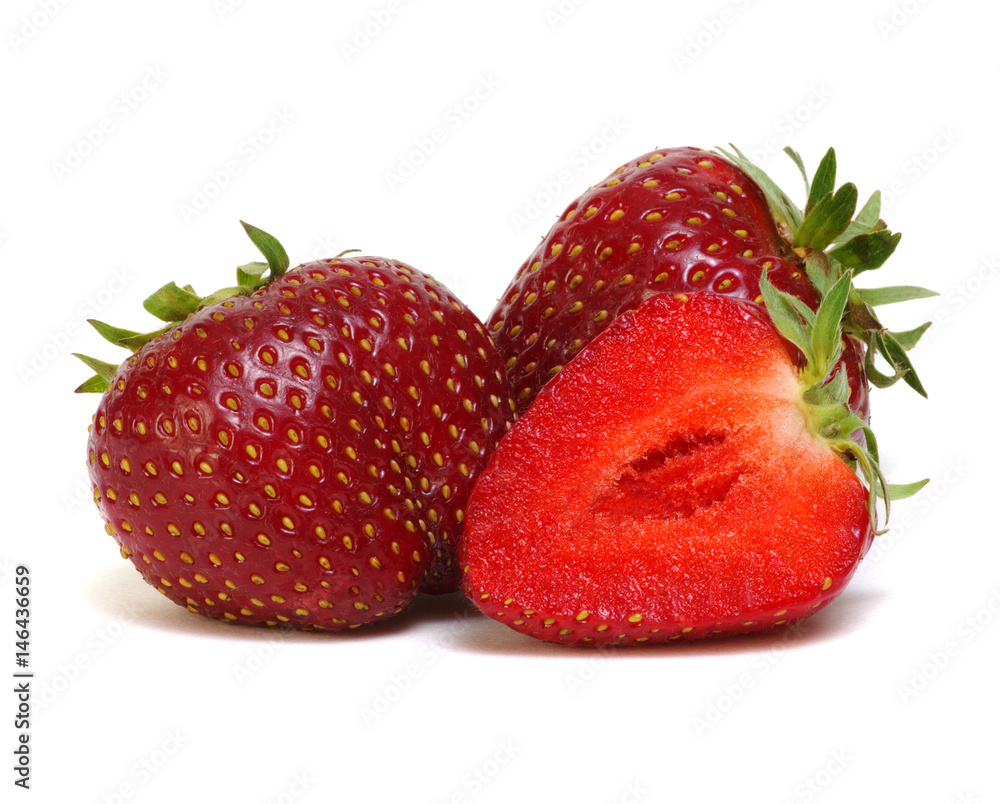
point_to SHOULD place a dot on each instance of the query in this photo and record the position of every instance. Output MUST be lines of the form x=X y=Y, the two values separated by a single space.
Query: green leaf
x=785 y=316
x=172 y=304
x=861 y=317
x=268 y=245
x=867 y=251
x=825 y=336
x=828 y=218
x=900 y=491
x=250 y=275
x=104 y=370
x=865 y=221
x=111 y=334
x=894 y=352
x=95 y=385
x=782 y=208
x=823 y=182
x=222 y=295
x=794 y=156
x=820 y=271
x=868 y=462
x=875 y=376
x=868 y=216
x=870 y=441
x=839 y=387
x=910 y=337
x=892 y=295
x=804 y=310
x=136 y=342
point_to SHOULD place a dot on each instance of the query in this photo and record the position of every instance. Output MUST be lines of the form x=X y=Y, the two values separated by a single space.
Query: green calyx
x=835 y=245
x=826 y=391
x=832 y=241
x=173 y=304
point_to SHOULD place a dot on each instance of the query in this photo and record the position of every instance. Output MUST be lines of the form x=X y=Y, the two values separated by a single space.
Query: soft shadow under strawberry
x=488 y=637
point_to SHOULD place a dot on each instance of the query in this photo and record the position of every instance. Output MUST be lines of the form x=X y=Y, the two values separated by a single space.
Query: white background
x=290 y=116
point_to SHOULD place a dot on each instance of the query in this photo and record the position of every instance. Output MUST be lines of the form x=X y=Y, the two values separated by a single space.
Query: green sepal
x=222 y=295
x=865 y=221
x=250 y=275
x=901 y=491
x=804 y=310
x=830 y=217
x=876 y=297
x=172 y=303
x=871 y=443
x=861 y=319
x=824 y=181
x=95 y=385
x=839 y=388
x=268 y=245
x=911 y=337
x=820 y=271
x=825 y=337
x=875 y=376
x=126 y=338
x=867 y=251
x=138 y=341
x=114 y=335
x=869 y=214
x=104 y=370
x=785 y=316
x=894 y=352
x=782 y=208
x=794 y=156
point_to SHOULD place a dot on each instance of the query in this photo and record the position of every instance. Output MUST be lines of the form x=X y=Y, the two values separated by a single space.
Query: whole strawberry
x=684 y=220
x=297 y=449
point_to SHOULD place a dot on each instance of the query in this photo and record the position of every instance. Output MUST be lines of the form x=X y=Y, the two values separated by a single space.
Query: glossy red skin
x=665 y=486
x=604 y=256
x=332 y=403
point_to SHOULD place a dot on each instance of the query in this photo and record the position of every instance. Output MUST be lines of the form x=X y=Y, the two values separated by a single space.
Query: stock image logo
x=457 y=115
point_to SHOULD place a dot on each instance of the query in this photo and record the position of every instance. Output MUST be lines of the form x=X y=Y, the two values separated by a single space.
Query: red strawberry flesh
x=666 y=484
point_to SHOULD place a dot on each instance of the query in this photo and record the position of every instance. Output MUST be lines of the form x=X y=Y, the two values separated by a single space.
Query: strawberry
x=684 y=220
x=682 y=477
x=297 y=449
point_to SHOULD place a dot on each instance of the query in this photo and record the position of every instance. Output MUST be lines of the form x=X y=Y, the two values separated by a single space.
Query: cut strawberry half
x=682 y=477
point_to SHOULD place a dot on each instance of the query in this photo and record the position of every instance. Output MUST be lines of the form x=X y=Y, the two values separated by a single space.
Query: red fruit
x=684 y=220
x=680 y=478
x=300 y=455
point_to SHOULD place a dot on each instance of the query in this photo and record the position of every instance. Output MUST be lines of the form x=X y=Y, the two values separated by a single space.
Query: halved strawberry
x=297 y=449
x=681 y=477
